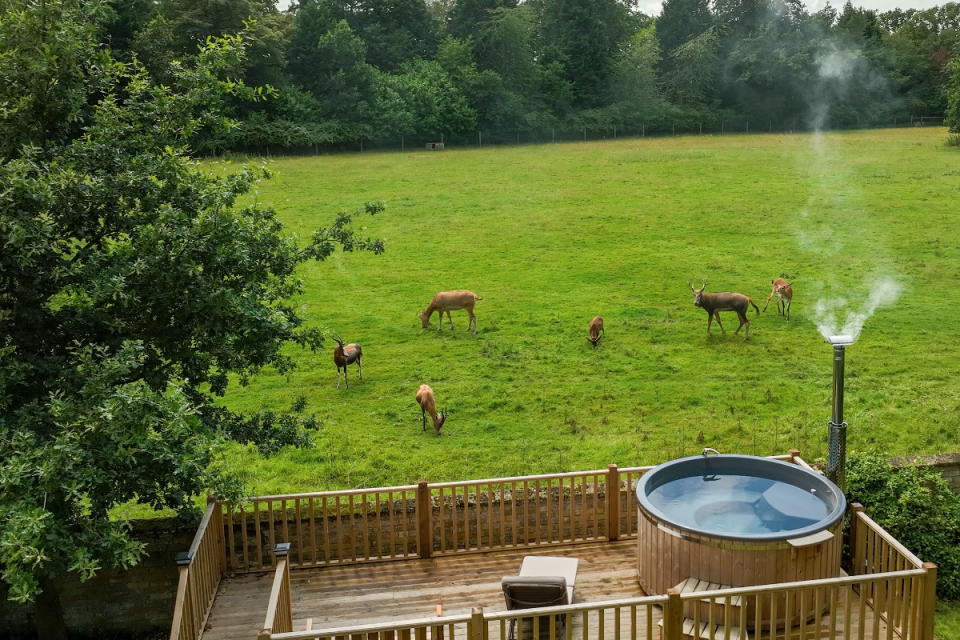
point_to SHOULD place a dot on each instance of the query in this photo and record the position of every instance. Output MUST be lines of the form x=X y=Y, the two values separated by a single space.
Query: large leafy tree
x=681 y=20
x=134 y=285
x=953 y=97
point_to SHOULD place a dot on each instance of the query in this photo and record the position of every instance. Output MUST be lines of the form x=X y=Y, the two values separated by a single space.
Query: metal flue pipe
x=837 y=444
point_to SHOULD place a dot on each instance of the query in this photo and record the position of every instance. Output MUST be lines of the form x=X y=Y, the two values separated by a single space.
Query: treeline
x=343 y=71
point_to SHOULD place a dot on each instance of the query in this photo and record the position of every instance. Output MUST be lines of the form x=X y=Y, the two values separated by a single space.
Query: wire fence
x=489 y=138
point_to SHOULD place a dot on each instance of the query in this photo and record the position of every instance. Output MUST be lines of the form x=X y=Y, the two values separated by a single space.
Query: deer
x=344 y=355
x=714 y=303
x=596 y=328
x=428 y=405
x=784 y=292
x=451 y=301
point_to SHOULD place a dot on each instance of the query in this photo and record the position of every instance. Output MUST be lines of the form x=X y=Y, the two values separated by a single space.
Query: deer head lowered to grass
x=429 y=405
x=344 y=355
x=714 y=303
x=596 y=328
x=451 y=301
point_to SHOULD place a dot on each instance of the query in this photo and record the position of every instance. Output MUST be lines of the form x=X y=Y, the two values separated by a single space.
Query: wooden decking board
x=362 y=594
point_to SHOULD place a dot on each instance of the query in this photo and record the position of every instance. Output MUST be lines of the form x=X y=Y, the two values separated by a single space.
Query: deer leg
x=473 y=322
x=424 y=416
x=440 y=324
x=359 y=375
x=746 y=333
x=789 y=302
x=717 y=313
x=768 y=302
x=709 y=322
x=338 y=377
x=450 y=318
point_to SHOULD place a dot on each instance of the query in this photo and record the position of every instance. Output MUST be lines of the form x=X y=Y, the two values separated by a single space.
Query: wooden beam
x=425 y=519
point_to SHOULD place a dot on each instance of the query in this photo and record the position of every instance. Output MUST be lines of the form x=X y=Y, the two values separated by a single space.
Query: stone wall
x=948 y=464
x=117 y=603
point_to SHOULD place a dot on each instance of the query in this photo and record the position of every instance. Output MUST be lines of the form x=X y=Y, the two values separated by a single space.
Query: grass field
x=551 y=236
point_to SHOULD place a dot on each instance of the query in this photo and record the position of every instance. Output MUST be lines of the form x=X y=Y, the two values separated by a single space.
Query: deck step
x=699 y=631
x=693 y=584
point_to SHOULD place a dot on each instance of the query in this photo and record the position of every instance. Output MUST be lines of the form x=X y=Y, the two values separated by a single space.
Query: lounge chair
x=544 y=581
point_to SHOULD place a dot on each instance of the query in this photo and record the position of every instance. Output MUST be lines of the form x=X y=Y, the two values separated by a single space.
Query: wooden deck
x=348 y=595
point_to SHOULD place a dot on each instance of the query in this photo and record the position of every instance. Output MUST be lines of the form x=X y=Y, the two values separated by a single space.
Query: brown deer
x=596 y=328
x=344 y=355
x=451 y=301
x=428 y=405
x=714 y=303
x=784 y=292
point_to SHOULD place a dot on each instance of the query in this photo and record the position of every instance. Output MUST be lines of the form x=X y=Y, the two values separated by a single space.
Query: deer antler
x=704 y=285
x=691 y=286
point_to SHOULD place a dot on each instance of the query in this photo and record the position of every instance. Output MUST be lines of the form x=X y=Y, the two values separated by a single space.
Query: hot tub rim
x=830 y=520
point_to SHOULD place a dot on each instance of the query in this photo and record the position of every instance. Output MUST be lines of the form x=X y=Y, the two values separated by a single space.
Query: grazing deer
x=784 y=292
x=714 y=303
x=451 y=301
x=596 y=328
x=428 y=405
x=344 y=355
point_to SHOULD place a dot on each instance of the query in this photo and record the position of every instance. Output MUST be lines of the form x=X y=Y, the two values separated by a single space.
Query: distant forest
x=347 y=70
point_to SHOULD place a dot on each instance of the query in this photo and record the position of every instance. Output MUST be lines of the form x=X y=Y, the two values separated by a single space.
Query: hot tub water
x=738 y=504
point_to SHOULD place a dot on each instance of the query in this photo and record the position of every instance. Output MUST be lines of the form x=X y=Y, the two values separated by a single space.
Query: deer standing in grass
x=784 y=292
x=596 y=328
x=344 y=355
x=451 y=301
x=429 y=405
x=714 y=303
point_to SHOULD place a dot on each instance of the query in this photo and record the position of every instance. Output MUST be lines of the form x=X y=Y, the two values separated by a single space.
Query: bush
x=915 y=504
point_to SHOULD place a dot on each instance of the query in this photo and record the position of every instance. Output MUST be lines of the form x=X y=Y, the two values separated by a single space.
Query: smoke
x=835 y=227
x=883 y=292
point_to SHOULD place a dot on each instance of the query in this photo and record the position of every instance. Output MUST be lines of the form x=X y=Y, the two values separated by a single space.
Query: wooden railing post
x=855 y=550
x=794 y=454
x=929 y=601
x=425 y=519
x=673 y=616
x=219 y=541
x=476 y=624
x=612 y=502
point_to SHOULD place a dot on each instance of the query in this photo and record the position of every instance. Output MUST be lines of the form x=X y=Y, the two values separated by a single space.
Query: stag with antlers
x=344 y=355
x=714 y=303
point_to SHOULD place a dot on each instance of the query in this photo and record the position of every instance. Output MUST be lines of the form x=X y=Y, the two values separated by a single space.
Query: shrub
x=915 y=504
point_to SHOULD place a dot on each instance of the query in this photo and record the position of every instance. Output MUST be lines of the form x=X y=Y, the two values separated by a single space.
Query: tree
x=422 y=99
x=693 y=69
x=952 y=119
x=585 y=35
x=633 y=92
x=466 y=14
x=134 y=285
x=681 y=20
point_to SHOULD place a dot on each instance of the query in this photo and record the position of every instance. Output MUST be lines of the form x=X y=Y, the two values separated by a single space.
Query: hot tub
x=738 y=521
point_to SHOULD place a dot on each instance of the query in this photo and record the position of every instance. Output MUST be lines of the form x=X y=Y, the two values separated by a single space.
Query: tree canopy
x=135 y=286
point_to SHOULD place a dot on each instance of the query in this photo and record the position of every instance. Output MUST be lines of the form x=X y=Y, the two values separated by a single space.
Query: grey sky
x=652 y=7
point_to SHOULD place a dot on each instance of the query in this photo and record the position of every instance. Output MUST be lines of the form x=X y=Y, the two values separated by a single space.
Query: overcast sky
x=652 y=7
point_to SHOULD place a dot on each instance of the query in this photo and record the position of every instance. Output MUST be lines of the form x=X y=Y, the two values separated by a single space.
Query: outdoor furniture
x=544 y=581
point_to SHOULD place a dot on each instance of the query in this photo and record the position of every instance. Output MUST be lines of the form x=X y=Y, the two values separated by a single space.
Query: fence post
x=217 y=522
x=794 y=454
x=612 y=502
x=855 y=510
x=424 y=519
x=476 y=624
x=929 y=601
x=480 y=137
x=281 y=551
x=673 y=616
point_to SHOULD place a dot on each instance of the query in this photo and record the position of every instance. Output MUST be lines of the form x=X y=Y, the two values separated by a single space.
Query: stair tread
x=693 y=584
x=703 y=634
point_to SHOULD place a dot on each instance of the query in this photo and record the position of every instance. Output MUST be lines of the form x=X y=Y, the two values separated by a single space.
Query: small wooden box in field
x=434 y=146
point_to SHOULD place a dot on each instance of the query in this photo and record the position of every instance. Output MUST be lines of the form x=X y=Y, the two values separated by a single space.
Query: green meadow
x=551 y=236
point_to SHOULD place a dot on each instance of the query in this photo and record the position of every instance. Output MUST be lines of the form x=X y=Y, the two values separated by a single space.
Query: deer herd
x=447 y=301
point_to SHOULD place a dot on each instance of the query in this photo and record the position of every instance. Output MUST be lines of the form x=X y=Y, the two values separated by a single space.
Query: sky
x=652 y=7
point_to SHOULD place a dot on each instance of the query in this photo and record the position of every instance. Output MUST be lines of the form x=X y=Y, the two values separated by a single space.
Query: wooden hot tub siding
x=666 y=557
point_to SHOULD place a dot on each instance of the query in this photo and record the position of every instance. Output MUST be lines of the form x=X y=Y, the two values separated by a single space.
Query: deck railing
x=874 y=551
x=815 y=610
x=200 y=570
x=434 y=519
x=279 y=618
